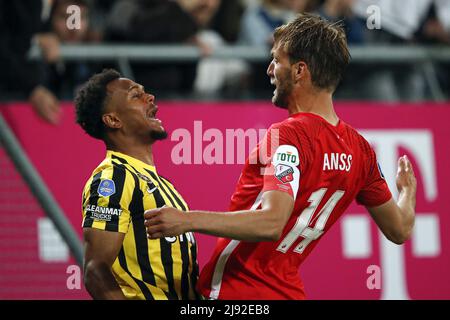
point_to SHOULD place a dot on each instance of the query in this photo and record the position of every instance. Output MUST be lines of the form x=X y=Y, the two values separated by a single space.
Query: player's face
x=279 y=71
x=136 y=109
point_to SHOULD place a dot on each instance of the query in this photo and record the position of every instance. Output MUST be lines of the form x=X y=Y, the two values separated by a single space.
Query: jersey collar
x=337 y=127
x=130 y=160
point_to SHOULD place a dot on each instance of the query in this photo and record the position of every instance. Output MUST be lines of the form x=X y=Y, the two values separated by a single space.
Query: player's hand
x=45 y=104
x=406 y=181
x=165 y=222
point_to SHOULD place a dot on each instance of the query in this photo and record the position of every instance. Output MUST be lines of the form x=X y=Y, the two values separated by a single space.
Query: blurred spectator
x=150 y=21
x=178 y=21
x=227 y=21
x=434 y=31
x=99 y=11
x=62 y=77
x=19 y=22
x=155 y=22
x=341 y=11
x=257 y=25
x=399 y=22
x=436 y=27
x=213 y=75
x=442 y=9
x=258 y=22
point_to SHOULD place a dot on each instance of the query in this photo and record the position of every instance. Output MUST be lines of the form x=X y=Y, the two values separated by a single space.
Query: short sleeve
x=282 y=172
x=375 y=191
x=106 y=200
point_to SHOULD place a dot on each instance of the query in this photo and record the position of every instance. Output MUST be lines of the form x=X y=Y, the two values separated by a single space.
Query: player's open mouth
x=152 y=114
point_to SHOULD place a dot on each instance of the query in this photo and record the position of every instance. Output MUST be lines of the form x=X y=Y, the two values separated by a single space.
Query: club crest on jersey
x=284 y=173
x=106 y=188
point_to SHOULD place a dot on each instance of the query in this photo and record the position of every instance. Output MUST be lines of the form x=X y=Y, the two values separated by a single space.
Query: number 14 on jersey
x=303 y=228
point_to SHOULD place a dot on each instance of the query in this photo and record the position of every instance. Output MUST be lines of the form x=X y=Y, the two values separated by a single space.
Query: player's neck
x=317 y=102
x=141 y=152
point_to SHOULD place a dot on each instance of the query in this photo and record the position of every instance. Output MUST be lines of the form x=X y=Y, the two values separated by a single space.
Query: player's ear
x=111 y=120
x=300 y=70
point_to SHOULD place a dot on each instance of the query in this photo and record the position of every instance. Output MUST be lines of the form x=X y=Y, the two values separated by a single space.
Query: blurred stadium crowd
x=208 y=24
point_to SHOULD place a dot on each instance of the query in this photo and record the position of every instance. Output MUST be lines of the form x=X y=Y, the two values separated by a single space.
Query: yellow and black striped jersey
x=115 y=198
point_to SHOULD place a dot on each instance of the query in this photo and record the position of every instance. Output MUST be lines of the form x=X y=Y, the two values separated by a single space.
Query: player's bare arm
x=101 y=249
x=265 y=224
x=396 y=219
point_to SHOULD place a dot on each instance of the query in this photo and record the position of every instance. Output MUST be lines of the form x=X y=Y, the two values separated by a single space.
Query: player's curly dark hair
x=90 y=102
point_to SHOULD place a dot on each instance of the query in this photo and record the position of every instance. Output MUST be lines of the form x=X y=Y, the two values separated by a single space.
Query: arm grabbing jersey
x=324 y=168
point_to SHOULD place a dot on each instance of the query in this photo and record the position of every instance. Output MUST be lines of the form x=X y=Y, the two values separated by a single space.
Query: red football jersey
x=323 y=167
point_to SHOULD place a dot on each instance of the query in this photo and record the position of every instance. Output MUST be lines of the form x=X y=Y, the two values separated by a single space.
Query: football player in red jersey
x=281 y=207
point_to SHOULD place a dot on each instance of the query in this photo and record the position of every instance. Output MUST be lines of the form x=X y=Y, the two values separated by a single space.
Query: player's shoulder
x=167 y=181
x=362 y=142
x=299 y=125
x=108 y=165
x=108 y=172
x=108 y=169
x=299 y=133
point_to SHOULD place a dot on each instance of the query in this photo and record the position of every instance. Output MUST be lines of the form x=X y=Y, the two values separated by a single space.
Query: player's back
x=335 y=165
